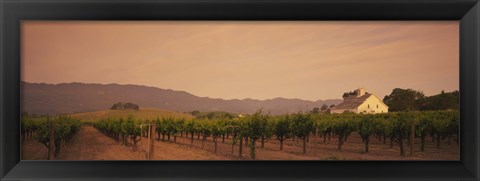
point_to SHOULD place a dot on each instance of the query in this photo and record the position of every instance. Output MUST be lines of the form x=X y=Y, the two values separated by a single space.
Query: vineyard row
x=398 y=128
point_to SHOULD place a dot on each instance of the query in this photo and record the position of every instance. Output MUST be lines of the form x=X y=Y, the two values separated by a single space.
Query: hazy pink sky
x=261 y=60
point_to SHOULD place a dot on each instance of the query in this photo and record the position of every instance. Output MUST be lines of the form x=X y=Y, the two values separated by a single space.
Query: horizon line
x=241 y=99
x=255 y=99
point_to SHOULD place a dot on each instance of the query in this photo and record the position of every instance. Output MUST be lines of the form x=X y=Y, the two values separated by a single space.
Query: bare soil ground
x=33 y=150
x=91 y=144
x=352 y=150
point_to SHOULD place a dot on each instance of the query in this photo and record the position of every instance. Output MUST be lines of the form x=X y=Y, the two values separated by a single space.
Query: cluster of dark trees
x=351 y=93
x=414 y=100
x=124 y=106
x=323 y=109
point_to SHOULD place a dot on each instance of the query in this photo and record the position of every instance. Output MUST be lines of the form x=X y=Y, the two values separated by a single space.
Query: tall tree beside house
x=347 y=94
x=350 y=93
x=404 y=100
x=411 y=100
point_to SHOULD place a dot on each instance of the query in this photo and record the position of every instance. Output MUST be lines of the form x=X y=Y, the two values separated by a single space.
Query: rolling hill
x=52 y=99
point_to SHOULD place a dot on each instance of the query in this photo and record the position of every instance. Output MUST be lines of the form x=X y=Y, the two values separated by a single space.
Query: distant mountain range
x=52 y=99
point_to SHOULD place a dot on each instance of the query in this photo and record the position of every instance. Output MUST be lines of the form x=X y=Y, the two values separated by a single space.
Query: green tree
x=442 y=101
x=256 y=126
x=133 y=130
x=401 y=125
x=404 y=100
x=189 y=127
x=343 y=126
x=366 y=126
x=217 y=129
x=302 y=126
x=348 y=94
x=282 y=129
x=423 y=127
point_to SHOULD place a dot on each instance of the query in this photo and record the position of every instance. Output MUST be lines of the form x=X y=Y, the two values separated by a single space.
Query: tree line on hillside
x=415 y=100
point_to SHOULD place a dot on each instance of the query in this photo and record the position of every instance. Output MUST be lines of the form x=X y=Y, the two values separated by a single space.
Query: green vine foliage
x=395 y=127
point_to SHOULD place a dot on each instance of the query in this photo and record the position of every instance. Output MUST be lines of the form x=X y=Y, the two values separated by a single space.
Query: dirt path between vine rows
x=91 y=144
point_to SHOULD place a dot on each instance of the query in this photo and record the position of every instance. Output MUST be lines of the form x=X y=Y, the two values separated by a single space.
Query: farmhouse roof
x=352 y=102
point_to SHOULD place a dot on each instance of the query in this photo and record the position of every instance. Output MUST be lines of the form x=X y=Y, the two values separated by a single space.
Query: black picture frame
x=12 y=12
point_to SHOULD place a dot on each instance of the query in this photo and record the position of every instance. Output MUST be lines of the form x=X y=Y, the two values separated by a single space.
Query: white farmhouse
x=362 y=102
